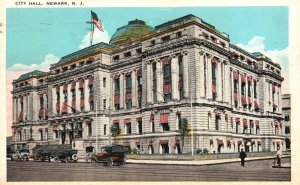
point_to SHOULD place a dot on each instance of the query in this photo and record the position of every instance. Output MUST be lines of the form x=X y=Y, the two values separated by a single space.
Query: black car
x=69 y=155
x=42 y=154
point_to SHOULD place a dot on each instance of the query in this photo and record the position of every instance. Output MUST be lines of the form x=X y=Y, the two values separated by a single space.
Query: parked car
x=21 y=154
x=42 y=154
x=110 y=155
x=69 y=155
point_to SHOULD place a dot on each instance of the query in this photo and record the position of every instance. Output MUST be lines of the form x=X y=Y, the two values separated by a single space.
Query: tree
x=115 y=131
x=184 y=131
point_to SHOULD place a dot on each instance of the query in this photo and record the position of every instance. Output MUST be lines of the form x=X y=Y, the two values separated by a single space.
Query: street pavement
x=255 y=170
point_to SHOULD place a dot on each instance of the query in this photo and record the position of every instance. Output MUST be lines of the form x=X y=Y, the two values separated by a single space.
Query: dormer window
x=166 y=38
x=57 y=71
x=41 y=81
x=81 y=63
x=138 y=51
x=242 y=58
x=116 y=58
x=128 y=54
x=249 y=62
x=73 y=66
x=268 y=66
x=213 y=38
x=205 y=35
x=223 y=44
x=152 y=42
x=178 y=34
x=65 y=68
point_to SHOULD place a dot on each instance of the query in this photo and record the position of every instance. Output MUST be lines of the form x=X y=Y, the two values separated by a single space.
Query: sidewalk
x=198 y=162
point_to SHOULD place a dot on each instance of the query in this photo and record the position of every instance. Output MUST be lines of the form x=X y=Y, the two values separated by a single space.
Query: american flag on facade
x=96 y=21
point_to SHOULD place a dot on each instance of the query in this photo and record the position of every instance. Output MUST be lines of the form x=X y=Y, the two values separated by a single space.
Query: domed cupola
x=130 y=33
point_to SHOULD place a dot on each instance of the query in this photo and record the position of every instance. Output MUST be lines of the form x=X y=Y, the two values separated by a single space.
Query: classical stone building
x=286 y=111
x=147 y=81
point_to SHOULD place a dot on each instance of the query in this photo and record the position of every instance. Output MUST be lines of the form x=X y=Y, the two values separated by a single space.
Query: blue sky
x=34 y=33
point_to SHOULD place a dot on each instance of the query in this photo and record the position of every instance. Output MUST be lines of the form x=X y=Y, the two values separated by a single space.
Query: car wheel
x=93 y=161
x=109 y=162
x=74 y=157
x=55 y=159
x=68 y=159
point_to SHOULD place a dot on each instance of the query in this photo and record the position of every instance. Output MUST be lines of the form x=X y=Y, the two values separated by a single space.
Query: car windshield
x=105 y=150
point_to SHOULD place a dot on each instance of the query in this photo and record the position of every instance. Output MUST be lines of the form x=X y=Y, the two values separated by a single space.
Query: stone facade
x=184 y=69
x=286 y=111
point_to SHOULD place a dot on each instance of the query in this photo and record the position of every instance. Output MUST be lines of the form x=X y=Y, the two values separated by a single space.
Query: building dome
x=131 y=32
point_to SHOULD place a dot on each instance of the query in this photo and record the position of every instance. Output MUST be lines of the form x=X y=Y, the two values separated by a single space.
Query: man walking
x=243 y=155
x=278 y=156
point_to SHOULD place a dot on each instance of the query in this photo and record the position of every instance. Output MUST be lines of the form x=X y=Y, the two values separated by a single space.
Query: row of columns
x=134 y=87
x=269 y=96
x=222 y=78
x=174 y=78
x=246 y=94
x=69 y=97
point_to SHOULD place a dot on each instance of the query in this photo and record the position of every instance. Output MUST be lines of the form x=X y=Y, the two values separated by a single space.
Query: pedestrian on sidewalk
x=278 y=156
x=243 y=155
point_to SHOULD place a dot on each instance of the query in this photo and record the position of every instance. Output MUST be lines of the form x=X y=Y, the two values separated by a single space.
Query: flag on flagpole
x=96 y=21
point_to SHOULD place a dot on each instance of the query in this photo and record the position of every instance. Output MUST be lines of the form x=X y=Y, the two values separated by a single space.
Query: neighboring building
x=144 y=81
x=286 y=111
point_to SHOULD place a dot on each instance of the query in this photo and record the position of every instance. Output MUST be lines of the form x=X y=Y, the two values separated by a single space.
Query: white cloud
x=256 y=44
x=98 y=36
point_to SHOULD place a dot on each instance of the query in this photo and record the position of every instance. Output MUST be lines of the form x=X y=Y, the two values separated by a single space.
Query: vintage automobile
x=22 y=154
x=110 y=155
x=42 y=154
x=66 y=156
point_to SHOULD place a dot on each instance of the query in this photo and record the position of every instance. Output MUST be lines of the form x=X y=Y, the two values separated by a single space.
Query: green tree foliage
x=184 y=131
x=115 y=131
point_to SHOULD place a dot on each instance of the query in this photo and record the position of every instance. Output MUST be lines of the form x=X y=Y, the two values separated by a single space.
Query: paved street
x=260 y=170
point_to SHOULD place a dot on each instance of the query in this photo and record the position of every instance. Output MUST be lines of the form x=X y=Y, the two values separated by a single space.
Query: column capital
x=208 y=55
x=184 y=52
x=157 y=60
x=174 y=56
x=202 y=53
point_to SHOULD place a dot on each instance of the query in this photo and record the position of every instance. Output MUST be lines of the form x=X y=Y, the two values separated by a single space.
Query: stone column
x=77 y=98
x=112 y=102
x=122 y=86
x=86 y=95
x=149 y=86
x=174 y=73
x=232 y=86
x=239 y=91
x=54 y=100
x=69 y=100
x=14 y=110
x=271 y=97
x=202 y=75
x=219 y=81
x=61 y=97
x=185 y=66
x=227 y=86
x=159 y=83
x=209 y=76
x=25 y=104
x=134 y=88
x=279 y=99
x=246 y=90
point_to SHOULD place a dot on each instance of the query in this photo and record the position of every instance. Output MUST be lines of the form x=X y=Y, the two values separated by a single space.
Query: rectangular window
x=178 y=34
x=154 y=83
x=237 y=127
x=287 y=130
x=286 y=118
x=152 y=127
x=180 y=82
x=140 y=127
x=214 y=80
x=128 y=54
x=104 y=82
x=167 y=81
x=129 y=104
x=217 y=120
x=89 y=130
x=104 y=104
x=165 y=127
x=128 y=128
x=128 y=83
x=254 y=86
x=104 y=130
x=152 y=42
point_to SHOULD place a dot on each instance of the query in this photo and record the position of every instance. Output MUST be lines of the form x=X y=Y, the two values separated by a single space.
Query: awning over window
x=54 y=128
x=274 y=105
x=81 y=102
x=239 y=142
x=280 y=124
x=235 y=75
x=245 y=123
x=127 y=121
x=116 y=77
x=65 y=87
x=126 y=143
x=276 y=123
x=237 y=119
x=228 y=142
x=235 y=96
x=243 y=99
x=258 y=142
x=117 y=99
x=57 y=106
x=213 y=88
x=220 y=142
x=81 y=84
x=243 y=78
x=139 y=119
x=166 y=61
x=90 y=98
x=73 y=85
x=249 y=79
x=40 y=130
x=150 y=142
x=213 y=60
x=64 y=107
x=256 y=123
x=256 y=105
x=20 y=116
x=273 y=88
x=139 y=72
x=127 y=97
x=167 y=88
x=41 y=112
x=137 y=143
x=151 y=117
x=115 y=121
x=57 y=88
x=162 y=142
x=164 y=118
x=176 y=142
x=91 y=81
